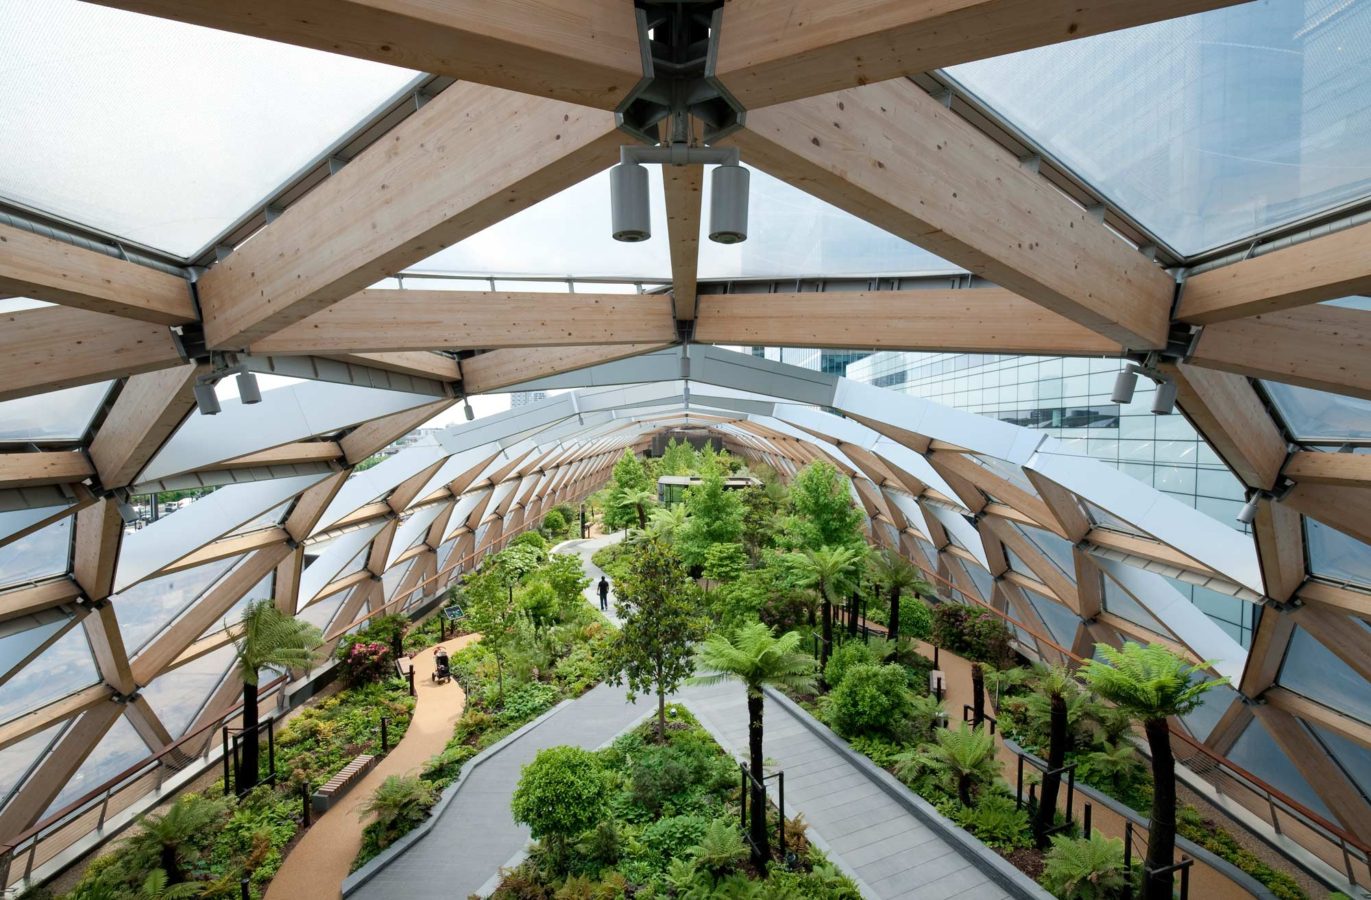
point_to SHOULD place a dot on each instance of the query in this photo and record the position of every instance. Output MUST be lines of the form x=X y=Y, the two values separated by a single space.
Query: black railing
x=232 y=739
x=1183 y=867
x=747 y=785
x=969 y=715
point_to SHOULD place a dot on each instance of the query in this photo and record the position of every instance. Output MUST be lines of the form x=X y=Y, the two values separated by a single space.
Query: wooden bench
x=339 y=784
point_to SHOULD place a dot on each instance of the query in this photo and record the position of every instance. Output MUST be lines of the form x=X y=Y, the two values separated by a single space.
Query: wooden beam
x=489 y=372
x=1358 y=603
x=383 y=321
x=582 y=52
x=1346 y=509
x=1339 y=793
x=107 y=646
x=419 y=363
x=43 y=268
x=1072 y=522
x=1226 y=410
x=1269 y=642
x=974 y=320
x=891 y=154
x=1320 y=347
x=1325 y=268
x=226 y=547
x=310 y=506
x=1147 y=548
x=771 y=51
x=147 y=411
x=1280 y=549
x=367 y=438
x=61 y=710
x=22 y=601
x=56 y=347
x=1309 y=710
x=57 y=766
x=99 y=531
x=49 y=467
x=473 y=156
x=1343 y=469
x=684 y=187
x=286 y=454
x=1341 y=635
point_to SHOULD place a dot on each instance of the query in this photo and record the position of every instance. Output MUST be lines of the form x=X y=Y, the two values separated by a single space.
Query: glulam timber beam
x=1313 y=761
x=58 y=765
x=146 y=412
x=43 y=268
x=369 y=437
x=1340 y=469
x=684 y=188
x=472 y=156
x=896 y=157
x=50 y=467
x=56 y=347
x=1320 y=347
x=1324 y=268
x=286 y=454
x=419 y=363
x=584 y=51
x=382 y=321
x=771 y=51
x=1225 y=409
x=499 y=369
x=975 y=320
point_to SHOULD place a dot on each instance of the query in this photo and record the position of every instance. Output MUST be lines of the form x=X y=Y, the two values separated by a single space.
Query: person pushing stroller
x=442 y=666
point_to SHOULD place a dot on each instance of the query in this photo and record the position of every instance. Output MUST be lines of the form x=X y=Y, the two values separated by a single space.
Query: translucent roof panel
x=793 y=234
x=1207 y=129
x=42 y=554
x=177 y=696
x=120 y=748
x=1335 y=555
x=567 y=234
x=55 y=416
x=19 y=758
x=20 y=637
x=1320 y=416
x=149 y=606
x=105 y=133
x=1256 y=751
x=1313 y=670
x=63 y=668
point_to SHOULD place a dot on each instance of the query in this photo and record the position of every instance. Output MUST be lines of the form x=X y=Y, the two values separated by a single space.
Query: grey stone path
x=586 y=549
x=875 y=840
x=476 y=833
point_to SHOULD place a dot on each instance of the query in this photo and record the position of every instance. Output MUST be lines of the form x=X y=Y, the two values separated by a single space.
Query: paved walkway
x=875 y=840
x=317 y=865
x=476 y=833
x=586 y=549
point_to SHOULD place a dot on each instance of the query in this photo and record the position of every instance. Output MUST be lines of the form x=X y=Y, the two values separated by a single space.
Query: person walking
x=603 y=588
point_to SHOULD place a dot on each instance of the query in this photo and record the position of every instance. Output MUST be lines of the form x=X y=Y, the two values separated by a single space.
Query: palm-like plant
x=756 y=657
x=1152 y=684
x=190 y=816
x=1055 y=685
x=962 y=760
x=399 y=803
x=896 y=574
x=828 y=568
x=267 y=638
x=641 y=501
x=664 y=522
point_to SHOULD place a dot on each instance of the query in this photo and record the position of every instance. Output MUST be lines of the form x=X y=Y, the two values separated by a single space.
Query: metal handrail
x=1334 y=834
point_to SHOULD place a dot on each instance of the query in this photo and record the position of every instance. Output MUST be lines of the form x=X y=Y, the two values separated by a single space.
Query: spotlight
x=728 y=204
x=628 y=197
x=685 y=365
x=1124 y=385
x=248 y=391
x=1249 y=510
x=205 y=398
x=1164 y=403
x=467 y=410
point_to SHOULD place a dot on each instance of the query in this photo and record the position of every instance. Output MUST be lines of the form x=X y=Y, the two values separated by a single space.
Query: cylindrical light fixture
x=1124 y=385
x=205 y=398
x=628 y=197
x=728 y=204
x=248 y=391
x=1249 y=510
x=1164 y=402
x=467 y=410
x=685 y=364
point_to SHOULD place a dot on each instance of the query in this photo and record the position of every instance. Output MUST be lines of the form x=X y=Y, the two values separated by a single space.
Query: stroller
x=442 y=669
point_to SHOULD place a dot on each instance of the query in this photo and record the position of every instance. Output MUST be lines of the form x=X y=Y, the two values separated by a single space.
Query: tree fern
x=1085 y=868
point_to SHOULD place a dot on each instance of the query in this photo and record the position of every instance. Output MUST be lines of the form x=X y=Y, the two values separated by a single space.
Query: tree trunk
x=251 y=760
x=171 y=865
x=761 y=849
x=853 y=605
x=977 y=695
x=1052 y=779
x=500 y=677
x=964 y=789
x=894 y=626
x=826 y=644
x=642 y=517
x=1161 y=830
x=661 y=708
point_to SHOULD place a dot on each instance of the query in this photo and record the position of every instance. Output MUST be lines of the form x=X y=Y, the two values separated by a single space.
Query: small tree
x=822 y=499
x=561 y=794
x=724 y=562
x=189 y=818
x=1056 y=684
x=629 y=476
x=267 y=637
x=1152 y=684
x=962 y=761
x=492 y=612
x=659 y=623
x=756 y=657
x=715 y=517
x=828 y=568
x=896 y=574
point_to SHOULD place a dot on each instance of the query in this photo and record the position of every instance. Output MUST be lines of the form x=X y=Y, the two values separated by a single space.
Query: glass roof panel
x=63 y=668
x=1208 y=128
x=1256 y=751
x=178 y=695
x=18 y=758
x=1335 y=555
x=39 y=555
x=1061 y=622
x=1053 y=547
x=20 y=637
x=262 y=590
x=120 y=748
x=149 y=606
x=13 y=521
x=1319 y=416
x=55 y=416
x=984 y=583
x=1354 y=758
x=1213 y=704
x=1313 y=670
x=1121 y=603
x=321 y=614
x=104 y=132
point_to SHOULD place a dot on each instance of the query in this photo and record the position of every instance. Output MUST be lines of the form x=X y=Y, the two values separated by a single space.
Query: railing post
x=385 y=738
x=1018 y=785
x=410 y=675
x=1128 y=859
x=1085 y=820
x=304 y=804
x=104 y=808
x=1070 y=794
x=245 y=888
x=780 y=808
x=227 y=781
x=271 y=749
x=1185 y=879
x=742 y=770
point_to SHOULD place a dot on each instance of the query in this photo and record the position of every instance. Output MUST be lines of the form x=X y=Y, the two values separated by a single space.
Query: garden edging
x=995 y=866
x=388 y=855
x=1209 y=858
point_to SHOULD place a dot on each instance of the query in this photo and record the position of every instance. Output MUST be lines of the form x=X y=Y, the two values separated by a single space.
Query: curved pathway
x=318 y=863
x=586 y=549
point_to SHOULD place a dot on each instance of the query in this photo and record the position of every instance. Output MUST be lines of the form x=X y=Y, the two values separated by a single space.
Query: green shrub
x=555 y=524
x=970 y=631
x=997 y=821
x=530 y=539
x=1084 y=868
x=526 y=701
x=720 y=849
x=399 y=804
x=870 y=700
x=844 y=658
x=562 y=793
x=669 y=836
x=916 y=618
